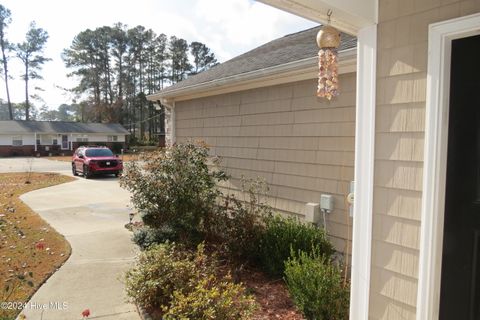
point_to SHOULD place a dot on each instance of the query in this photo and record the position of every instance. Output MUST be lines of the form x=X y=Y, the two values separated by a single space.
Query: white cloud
x=228 y=27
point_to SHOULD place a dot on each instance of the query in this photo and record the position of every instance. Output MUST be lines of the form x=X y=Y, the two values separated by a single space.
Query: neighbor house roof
x=282 y=51
x=21 y=126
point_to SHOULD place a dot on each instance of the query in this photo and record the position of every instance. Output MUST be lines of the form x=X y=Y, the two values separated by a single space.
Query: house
x=415 y=226
x=18 y=137
x=265 y=120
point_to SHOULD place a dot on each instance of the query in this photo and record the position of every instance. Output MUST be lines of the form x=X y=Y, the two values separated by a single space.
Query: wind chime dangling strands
x=328 y=40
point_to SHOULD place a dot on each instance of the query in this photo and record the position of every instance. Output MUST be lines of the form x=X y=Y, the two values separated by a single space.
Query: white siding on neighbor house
x=302 y=146
x=99 y=137
x=6 y=139
x=46 y=139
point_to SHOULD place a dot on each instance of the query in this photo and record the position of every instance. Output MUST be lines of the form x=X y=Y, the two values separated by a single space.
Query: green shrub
x=285 y=235
x=316 y=286
x=185 y=285
x=242 y=222
x=213 y=300
x=158 y=272
x=146 y=237
x=174 y=188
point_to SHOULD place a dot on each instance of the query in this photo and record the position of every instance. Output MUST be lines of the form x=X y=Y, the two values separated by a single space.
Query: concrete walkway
x=91 y=214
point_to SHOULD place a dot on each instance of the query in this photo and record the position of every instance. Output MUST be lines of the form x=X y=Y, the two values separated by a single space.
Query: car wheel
x=74 y=170
x=86 y=172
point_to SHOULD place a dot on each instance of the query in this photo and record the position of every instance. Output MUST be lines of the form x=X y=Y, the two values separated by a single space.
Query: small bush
x=242 y=222
x=175 y=188
x=316 y=287
x=158 y=272
x=184 y=285
x=146 y=237
x=285 y=235
x=213 y=300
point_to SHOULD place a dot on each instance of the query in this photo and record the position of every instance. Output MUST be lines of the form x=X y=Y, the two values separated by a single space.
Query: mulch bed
x=271 y=295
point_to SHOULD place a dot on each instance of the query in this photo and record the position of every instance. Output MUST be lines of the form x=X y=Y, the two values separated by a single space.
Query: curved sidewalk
x=91 y=214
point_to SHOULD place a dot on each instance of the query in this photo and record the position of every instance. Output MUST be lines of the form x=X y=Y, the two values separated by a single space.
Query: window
x=54 y=141
x=83 y=138
x=112 y=138
x=17 y=141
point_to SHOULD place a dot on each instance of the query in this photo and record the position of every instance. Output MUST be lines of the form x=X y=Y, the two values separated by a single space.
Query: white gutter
x=292 y=71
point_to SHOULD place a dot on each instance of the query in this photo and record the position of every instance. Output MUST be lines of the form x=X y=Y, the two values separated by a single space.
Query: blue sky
x=228 y=27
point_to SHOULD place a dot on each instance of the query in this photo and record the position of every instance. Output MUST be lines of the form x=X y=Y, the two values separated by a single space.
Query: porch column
x=364 y=169
x=35 y=141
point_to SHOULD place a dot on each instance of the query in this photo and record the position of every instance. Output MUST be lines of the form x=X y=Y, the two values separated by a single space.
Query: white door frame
x=440 y=38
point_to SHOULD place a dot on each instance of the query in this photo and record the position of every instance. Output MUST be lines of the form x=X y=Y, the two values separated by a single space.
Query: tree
x=64 y=112
x=5 y=46
x=180 y=66
x=203 y=58
x=118 y=67
x=30 y=52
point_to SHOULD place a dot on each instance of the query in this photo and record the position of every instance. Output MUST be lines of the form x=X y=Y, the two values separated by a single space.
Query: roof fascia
x=304 y=69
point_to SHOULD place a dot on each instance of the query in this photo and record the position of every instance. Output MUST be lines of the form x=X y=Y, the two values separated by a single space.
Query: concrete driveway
x=91 y=214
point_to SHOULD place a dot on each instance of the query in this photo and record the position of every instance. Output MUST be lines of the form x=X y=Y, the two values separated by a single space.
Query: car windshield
x=98 y=153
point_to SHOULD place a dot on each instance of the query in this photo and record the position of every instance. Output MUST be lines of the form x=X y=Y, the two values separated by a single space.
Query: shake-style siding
x=400 y=125
x=300 y=145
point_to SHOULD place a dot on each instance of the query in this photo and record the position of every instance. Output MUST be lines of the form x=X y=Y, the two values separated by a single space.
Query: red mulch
x=271 y=295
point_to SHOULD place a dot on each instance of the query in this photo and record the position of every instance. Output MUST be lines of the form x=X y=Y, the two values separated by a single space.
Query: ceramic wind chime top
x=328 y=40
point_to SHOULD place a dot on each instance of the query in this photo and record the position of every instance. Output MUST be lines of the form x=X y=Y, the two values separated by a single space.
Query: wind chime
x=328 y=40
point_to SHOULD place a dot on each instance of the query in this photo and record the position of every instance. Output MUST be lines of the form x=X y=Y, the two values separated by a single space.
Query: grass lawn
x=30 y=249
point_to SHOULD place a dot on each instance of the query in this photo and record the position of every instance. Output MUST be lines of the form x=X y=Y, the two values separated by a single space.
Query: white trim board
x=440 y=38
x=364 y=168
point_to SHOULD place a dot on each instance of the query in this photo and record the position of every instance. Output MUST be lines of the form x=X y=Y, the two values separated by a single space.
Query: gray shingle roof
x=20 y=126
x=292 y=47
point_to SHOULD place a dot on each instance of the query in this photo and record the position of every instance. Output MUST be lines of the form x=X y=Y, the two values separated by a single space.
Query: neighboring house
x=416 y=225
x=26 y=138
x=259 y=113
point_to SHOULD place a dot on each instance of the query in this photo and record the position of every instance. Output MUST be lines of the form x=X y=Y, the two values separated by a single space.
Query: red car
x=91 y=160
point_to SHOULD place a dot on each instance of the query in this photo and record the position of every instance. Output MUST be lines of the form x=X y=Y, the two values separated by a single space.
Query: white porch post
x=71 y=141
x=35 y=140
x=173 y=123
x=169 y=121
x=364 y=169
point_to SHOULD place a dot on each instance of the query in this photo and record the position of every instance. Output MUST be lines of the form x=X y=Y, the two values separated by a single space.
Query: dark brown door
x=64 y=141
x=460 y=286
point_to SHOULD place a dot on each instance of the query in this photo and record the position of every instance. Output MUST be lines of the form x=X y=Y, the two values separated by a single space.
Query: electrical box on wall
x=351 y=197
x=312 y=212
x=326 y=202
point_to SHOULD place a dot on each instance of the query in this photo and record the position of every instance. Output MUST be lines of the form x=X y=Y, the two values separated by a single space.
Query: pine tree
x=5 y=46
x=30 y=52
